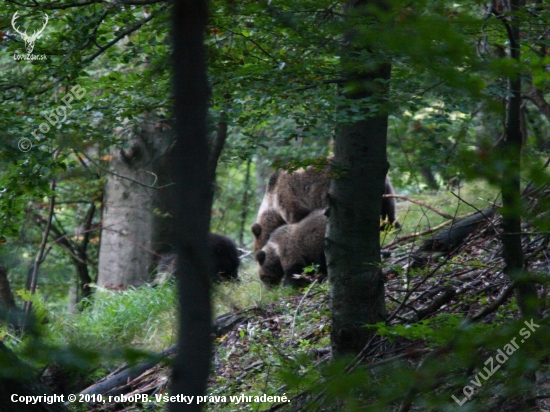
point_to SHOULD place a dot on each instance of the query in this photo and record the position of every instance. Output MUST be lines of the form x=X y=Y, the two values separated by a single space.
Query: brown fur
x=387 y=211
x=297 y=194
x=290 y=197
x=291 y=248
x=269 y=220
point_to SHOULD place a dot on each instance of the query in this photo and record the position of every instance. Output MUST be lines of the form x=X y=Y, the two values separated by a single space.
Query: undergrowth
x=142 y=317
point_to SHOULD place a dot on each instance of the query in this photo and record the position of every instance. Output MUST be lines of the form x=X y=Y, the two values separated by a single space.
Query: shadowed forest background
x=110 y=166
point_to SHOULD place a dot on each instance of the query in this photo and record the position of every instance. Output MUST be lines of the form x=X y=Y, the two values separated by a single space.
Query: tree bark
x=189 y=200
x=245 y=203
x=511 y=192
x=354 y=201
x=129 y=229
x=83 y=290
x=7 y=302
x=217 y=147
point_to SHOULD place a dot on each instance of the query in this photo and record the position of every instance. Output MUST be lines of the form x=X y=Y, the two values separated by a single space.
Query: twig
x=418 y=202
x=128 y=31
x=496 y=304
x=127 y=178
x=413 y=390
x=477 y=210
x=296 y=312
x=424 y=232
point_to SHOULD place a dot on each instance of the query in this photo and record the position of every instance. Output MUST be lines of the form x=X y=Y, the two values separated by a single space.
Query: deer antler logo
x=29 y=40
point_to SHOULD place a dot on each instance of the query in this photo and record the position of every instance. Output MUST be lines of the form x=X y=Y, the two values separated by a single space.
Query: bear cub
x=291 y=248
x=225 y=260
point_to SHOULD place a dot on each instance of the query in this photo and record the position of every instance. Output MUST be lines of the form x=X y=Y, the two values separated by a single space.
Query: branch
x=312 y=86
x=128 y=31
x=13 y=86
x=502 y=18
x=424 y=232
x=496 y=304
x=63 y=241
x=418 y=202
x=126 y=178
x=257 y=45
x=536 y=96
x=47 y=6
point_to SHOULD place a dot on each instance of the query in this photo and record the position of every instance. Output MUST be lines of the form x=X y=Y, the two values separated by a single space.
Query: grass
x=249 y=292
x=143 y=317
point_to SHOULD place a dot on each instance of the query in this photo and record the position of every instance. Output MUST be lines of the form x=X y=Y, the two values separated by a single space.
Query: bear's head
x=270 y=269
x=268 y=221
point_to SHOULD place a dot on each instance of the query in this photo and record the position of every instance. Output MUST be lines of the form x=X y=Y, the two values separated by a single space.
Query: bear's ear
x=256 y=229
x=260 y=256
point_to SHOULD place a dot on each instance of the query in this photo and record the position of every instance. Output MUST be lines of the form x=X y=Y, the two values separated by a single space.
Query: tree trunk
x=245 y=203
x=7 y=302
x=189 y=200
x=126 y=255
x=429 y=178
x=354 y=200
x=84 y=279
x=511 y=193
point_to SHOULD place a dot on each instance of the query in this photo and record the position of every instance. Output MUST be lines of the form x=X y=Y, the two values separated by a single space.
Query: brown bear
x=224 y=252
x=291 y=248
x=290 y=197
x=268 y=221
x=387 y=210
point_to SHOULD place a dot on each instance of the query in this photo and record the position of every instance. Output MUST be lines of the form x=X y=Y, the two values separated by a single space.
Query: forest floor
x=442 y=297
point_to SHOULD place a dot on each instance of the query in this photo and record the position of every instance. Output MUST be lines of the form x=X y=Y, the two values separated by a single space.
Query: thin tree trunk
x=429 y=178
x=511 y=193
x=7 y=302
x=245 y=204
x=78 y=254
x=217 y=147
x=84 y=290
x=189 y=200
x=354 y=200
x=39 y=257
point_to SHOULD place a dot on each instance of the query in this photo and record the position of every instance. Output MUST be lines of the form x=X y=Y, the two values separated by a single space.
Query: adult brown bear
x=290 y=197
x=291 y=248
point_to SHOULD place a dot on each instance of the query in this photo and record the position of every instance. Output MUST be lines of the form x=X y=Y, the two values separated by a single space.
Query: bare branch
x=418 y=202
